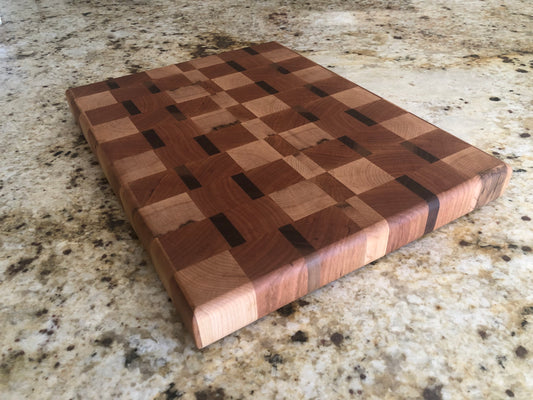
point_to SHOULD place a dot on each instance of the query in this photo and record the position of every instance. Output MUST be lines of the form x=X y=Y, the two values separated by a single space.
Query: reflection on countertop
x=82 y=311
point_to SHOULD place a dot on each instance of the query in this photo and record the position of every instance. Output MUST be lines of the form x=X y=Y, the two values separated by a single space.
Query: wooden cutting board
x=256 y=176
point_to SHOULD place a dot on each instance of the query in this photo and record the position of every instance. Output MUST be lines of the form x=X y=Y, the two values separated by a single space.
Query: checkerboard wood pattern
x=256 y=176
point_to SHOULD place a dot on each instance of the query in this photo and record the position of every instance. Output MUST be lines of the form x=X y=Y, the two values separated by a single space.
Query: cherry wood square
x=230 y=137
x=155 y=188
x=193 y=243
x=258 y=217
x=221 y=195
x=333 y=187
x=333 y=85
x=214 y=168
x=276 y=268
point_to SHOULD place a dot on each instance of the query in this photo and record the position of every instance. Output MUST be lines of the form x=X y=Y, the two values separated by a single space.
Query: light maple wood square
x=305 y=136
x=279 y=54
x=114 y=130
x=216 y=119
x=163 y=72
x=221 y=295
x=375 y=227
x=258 y=128
x=355 y=97
x=304 y=165
x=193 y=243
x=265 y=105
x=96 y=100
x=408 y=126
x=232 y=81
x=313 y=74
x=187 y=93
x=302 y=199
x=195 y=76
x=254 y=154
x=361 y=175
x=131 y=168
x=276 y=269
x=274 y=176
x=332 y=187
x=170 y=214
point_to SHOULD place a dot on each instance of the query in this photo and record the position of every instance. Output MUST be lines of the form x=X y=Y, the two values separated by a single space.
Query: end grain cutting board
x=256 y=176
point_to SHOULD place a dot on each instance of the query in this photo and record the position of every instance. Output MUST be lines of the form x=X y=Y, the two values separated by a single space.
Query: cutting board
x=256 y=176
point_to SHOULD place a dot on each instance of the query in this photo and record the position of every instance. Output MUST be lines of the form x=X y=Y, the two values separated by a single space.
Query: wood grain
x=255 y=176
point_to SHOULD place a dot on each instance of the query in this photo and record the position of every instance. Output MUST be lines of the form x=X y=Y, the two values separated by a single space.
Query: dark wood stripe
x=354 y=146
x=112 y=84
x=282 y=70
x=360 y=117
x=248 y=186
x=308 y=115
x=152 y=88
x=431 y=199
x=419 y=152
x=130 y=107
x=296 y=239
x=176 y=113
x=226 y=228
x=266 y=87
x=235 y=66
x=187 y=177
x=317 y=91
x=251 y=51
x=152 y=138
x=207 y=145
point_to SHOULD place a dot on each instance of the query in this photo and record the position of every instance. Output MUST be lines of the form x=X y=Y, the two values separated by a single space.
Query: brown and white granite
x=82 y=312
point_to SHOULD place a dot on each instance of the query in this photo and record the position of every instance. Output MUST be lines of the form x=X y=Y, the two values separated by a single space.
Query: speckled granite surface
x=82 y=312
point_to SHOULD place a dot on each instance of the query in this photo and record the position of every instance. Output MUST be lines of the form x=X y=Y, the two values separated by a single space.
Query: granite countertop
x=82 y=311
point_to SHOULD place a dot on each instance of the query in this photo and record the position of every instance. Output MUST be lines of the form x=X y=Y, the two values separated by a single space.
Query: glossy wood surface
x=255 y=176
